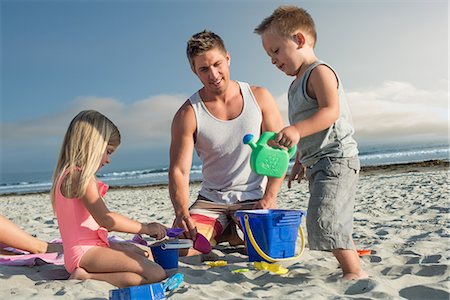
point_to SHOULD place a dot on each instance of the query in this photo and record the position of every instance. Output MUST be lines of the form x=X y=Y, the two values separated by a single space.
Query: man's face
x=212 y=68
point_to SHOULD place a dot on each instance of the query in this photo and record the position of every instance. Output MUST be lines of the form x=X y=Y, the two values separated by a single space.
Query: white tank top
x=227 y=176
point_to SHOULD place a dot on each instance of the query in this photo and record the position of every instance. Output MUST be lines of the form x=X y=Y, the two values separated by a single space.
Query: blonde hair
x=286 y=20
x=202 y=42
x=84 y=144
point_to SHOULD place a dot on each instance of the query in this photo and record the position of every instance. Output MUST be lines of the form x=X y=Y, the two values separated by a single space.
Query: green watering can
x=266 y=160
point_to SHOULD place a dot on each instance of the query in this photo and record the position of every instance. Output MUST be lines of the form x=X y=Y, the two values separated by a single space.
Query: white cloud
x=391 y=112
x=142 y=124
x=395 y=111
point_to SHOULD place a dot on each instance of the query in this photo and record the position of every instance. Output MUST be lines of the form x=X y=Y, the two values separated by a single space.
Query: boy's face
x=282 y=51
x=212 y=68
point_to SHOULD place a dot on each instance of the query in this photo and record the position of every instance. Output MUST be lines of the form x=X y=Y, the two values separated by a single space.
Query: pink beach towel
x=24 y=258
x=32 y=259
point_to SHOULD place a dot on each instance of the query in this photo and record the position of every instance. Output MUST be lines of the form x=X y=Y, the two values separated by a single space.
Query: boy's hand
x=288 y=137
x=298 y=172
x=156 y=230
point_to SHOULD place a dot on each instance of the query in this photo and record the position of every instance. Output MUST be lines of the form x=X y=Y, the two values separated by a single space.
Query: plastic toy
x=266 y=160
x=243 y=270
x=364 y=252
x=217 y=263
x=202 y=244
x=174 y=232
x=154 y=291
x=166 y=253
x=273 y=268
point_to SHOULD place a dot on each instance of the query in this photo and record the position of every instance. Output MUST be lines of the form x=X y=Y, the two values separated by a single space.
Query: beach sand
x=401 y=214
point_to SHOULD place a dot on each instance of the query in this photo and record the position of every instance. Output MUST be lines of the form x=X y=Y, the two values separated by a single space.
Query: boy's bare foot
x=80 y=274
x=355 y=276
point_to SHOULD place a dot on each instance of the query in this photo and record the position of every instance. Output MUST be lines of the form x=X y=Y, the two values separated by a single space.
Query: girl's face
x=283 y=52
x=106 y=156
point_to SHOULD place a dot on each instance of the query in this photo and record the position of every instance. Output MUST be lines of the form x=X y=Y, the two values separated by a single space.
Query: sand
x=401 y=215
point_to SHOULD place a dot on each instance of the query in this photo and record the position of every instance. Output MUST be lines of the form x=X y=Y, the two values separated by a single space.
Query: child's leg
x=332 y=184
x=139 y=249
x=350 y=263
x=120 y=268
x=13 y=236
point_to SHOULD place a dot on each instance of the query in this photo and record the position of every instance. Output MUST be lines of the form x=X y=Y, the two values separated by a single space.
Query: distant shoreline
x=424 y=166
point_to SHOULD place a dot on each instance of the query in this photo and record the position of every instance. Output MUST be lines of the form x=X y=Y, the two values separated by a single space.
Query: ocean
x=369 y=156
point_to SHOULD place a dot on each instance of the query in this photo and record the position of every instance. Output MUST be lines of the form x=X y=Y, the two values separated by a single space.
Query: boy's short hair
x=202 y=42
x=286 y=20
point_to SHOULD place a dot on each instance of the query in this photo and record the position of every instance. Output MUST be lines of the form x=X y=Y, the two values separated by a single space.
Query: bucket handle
x=261 y=252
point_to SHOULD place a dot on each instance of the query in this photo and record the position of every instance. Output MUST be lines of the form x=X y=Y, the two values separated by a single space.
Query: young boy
x=321 y=126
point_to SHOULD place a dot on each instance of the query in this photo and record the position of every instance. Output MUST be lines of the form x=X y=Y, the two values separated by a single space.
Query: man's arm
x=272 y=121
x=181 y=150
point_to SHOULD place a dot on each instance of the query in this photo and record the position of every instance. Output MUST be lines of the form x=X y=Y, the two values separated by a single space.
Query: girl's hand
x=298 y=172
x=155 y=230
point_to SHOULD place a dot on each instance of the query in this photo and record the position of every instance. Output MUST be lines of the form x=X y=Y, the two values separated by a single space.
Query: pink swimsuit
x=79 y=231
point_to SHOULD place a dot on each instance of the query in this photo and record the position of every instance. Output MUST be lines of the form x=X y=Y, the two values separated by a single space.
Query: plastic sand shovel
x=273 y=268
x=202 y=244
x=266 y=160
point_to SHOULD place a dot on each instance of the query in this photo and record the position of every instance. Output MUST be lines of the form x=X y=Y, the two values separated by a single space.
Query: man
x=214 y=121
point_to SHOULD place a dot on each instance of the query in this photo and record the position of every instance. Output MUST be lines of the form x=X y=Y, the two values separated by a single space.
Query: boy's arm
x=181 y=149
x=322 y=86
x=272 y=121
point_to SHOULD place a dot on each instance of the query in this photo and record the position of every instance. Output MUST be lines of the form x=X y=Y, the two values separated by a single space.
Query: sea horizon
x=36 y=182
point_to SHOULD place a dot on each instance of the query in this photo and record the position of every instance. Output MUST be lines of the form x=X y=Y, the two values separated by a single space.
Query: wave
x=368 y=157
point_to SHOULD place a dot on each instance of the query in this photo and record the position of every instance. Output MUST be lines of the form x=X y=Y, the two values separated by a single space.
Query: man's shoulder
x=262 y=95
x=184 y=113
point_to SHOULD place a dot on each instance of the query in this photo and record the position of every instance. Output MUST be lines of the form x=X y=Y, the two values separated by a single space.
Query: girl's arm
x=113 y=221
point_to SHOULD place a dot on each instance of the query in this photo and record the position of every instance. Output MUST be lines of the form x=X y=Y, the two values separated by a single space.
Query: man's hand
x=266 y=203
x=185 y=221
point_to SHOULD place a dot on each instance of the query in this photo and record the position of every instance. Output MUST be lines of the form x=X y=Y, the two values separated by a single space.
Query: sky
x=127 y=60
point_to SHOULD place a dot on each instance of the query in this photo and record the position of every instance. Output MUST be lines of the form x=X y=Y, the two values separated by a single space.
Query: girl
x=83 y=218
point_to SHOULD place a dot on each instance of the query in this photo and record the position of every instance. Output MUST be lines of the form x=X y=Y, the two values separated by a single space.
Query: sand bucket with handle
x=165 y=252
x=271 y=234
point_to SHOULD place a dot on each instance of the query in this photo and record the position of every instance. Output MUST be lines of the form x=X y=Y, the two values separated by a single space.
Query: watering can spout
x=248 y=140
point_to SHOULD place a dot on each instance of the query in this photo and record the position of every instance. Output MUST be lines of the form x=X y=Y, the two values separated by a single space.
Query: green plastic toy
x=266 y=160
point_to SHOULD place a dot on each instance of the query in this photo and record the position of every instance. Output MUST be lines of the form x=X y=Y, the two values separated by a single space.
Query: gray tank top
x=335 y=141
x=227 y=176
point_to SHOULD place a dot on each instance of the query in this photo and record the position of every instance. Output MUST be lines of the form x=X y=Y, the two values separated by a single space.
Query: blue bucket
x=165 y=253
x=271 y=234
